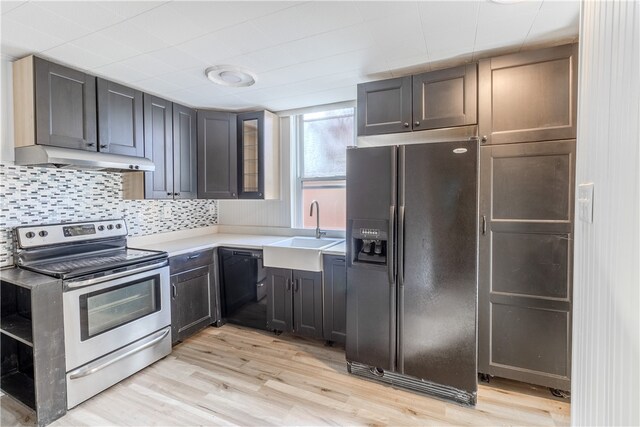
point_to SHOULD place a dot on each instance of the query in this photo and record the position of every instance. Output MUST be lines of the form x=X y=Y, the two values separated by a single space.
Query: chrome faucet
x=319 y=233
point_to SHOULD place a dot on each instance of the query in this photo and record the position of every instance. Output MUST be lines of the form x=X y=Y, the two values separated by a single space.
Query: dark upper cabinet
x=217 y=155
x=335 y=298
x=445 y=98
x=185 y=153
x=120 y=119
x=158 y=146
x=294 y=301
x=258 y=155
x=54 y=105
x=193 y=302
x=529 y=96
x=384 y=106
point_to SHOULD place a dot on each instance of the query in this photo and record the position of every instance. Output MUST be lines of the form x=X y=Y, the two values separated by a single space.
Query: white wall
x=606 y=327
x=6 y=111
x=267 y=213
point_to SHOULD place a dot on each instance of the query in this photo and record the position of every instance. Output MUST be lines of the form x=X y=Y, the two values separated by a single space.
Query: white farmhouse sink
x=298 y=253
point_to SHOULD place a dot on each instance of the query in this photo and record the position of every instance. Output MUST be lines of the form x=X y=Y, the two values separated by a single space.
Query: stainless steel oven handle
x=95 y=367
x=80 y=283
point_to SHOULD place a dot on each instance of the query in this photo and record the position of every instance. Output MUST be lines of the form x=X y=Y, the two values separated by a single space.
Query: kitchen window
x=323 y=137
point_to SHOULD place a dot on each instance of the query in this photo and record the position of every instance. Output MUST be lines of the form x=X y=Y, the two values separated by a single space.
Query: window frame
x=298 y=123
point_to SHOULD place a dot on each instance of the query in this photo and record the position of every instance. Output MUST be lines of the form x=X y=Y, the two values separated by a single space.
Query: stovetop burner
x=89 y=263
x=70 y=250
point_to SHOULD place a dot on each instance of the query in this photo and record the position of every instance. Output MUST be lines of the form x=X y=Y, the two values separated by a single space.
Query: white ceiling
x=304 y=53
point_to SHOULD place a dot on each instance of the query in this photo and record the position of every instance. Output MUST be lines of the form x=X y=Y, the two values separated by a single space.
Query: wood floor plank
x=234 y=376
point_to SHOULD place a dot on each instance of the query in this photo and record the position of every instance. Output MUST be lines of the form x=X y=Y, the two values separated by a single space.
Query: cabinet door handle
x=416 y=123
x=288 y=284
x=174 y=291
x=169 y=194
x=484 y=225
x=90 y=144
x=176 y=194
x=103 y=145
x=406 y=124
x=296 y=285
x=484 y=139
x=193 y=256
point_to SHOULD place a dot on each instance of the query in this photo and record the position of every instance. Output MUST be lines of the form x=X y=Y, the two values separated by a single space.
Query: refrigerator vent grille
x=414 y=384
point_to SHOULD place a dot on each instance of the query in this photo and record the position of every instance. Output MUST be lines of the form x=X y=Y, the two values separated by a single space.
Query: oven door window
x=109 y=308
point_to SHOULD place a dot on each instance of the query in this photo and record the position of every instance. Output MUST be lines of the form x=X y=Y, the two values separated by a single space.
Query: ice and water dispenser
x=369 y=241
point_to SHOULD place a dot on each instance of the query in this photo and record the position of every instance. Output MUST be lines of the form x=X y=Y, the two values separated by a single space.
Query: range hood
x=68 y=158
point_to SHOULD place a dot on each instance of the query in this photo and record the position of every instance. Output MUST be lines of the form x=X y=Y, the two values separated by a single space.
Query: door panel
x=371 y=288
x=437 y=272
x=185 y=150
x=384 y=106
x=279 y=299
x=217 y=155
x=120 y=119
x=158 y=146
x=307 y=307
x=191 y=301
x=525 y=270
x=65 y=107
x=335 y=298
x=529 y=96
x=445 y=98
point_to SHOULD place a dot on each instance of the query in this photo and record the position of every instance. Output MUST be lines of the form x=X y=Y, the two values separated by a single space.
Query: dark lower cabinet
x=294 y=301
x=193 y=293
x=335 y=299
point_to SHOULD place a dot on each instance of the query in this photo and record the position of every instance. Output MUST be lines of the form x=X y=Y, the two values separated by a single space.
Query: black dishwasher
x=243 y=297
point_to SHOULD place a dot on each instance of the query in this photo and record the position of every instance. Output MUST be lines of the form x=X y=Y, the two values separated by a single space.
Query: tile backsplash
x=34 y=195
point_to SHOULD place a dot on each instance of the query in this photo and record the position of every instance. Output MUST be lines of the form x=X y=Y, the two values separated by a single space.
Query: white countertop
x=339 y=249
x=177 y=243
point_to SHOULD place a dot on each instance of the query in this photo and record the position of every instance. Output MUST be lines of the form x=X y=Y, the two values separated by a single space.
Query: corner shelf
x=17 y=327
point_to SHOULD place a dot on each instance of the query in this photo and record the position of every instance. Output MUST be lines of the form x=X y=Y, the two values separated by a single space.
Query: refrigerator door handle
x=401 y=246
x=390 y=263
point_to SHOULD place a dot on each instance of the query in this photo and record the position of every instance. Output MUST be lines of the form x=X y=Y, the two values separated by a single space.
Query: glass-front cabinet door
x=250 y=155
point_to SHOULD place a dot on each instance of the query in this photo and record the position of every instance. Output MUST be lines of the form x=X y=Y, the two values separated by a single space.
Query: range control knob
x=110 y=227
x=118 y=226
x=43 y=233
x=100 y=227
x=30 y=235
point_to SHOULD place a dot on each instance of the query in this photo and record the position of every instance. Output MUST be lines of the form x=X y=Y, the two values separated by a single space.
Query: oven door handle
x=95 y=367
x=70 y=284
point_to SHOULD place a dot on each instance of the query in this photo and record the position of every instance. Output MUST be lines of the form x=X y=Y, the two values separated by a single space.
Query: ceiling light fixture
x=230 y=75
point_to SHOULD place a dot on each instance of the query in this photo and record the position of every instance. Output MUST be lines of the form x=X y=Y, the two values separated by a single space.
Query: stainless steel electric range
x=116 y=302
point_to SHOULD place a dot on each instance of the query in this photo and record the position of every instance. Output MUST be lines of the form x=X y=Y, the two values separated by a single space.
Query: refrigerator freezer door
x=437 y=267
x=371 y=286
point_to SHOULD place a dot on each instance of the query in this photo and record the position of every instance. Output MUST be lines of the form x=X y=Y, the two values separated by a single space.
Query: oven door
x=105 y=316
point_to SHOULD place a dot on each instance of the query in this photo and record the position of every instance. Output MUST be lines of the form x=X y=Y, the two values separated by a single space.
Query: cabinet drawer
x=190 y=261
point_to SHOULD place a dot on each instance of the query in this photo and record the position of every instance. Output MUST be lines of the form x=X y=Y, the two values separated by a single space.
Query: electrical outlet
x=166 y=212
x=585 y=202
x=212 y=209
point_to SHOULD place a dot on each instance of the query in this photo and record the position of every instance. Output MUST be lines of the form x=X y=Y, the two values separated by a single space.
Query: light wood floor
x=237 y=376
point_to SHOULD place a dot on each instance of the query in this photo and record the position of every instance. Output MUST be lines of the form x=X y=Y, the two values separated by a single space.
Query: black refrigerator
x=412 y=236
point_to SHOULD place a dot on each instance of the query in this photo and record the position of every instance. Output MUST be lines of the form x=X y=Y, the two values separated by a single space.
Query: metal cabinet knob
x=484 y=139
x=169 y=194
x=416 y=123
x=176 y=194
x=137 y=167
x=90 y=144
x=406 y=124
x=130 y=166
x=103 y=145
